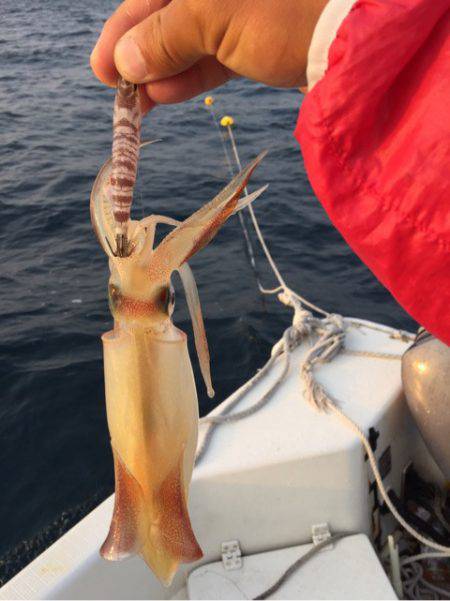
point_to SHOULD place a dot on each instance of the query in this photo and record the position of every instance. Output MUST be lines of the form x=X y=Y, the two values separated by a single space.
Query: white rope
x=422 y=556
x=394 y=334
x=372 y=354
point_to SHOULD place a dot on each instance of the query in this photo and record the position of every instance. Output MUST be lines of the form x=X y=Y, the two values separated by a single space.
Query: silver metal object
x=426 y=382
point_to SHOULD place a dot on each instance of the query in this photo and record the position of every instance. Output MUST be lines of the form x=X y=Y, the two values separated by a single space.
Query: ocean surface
x=55 y=132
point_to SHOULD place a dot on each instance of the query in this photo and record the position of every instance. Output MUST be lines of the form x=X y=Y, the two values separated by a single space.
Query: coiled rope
x=330 y=330
x=415 y=586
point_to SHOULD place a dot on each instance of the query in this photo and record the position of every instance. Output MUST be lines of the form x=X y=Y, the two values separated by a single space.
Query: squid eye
x=115 y=296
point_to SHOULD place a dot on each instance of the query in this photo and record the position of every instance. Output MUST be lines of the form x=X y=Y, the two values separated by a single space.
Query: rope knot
x=331 y=340
x=335 y=323
x=302 y=319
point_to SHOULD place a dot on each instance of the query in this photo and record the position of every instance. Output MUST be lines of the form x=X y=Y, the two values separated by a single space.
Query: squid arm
x=149 y=225
x=199 y=229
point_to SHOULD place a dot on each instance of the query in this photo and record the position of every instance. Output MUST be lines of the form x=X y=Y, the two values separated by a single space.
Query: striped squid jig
x=151 y=397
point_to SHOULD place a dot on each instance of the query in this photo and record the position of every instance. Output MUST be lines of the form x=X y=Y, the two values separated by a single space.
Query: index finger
x=126 y=16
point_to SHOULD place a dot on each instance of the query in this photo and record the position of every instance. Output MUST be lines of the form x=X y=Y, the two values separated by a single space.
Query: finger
x=205 y=75
x=164 y=44
x=146 y=102
x=126 y=16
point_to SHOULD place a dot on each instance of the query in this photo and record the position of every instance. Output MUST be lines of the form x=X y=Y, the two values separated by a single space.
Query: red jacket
x=375 y=136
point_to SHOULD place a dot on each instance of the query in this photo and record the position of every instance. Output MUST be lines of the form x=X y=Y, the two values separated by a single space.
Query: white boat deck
x=348 y=570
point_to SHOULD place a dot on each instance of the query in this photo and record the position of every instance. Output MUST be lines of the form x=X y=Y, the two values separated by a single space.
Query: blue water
x=55 y=131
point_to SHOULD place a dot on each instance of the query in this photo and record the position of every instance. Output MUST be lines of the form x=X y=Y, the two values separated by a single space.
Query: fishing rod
x=227 y=122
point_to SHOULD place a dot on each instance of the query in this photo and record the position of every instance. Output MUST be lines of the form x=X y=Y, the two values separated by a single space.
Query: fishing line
x=283 y=286
x=209 y=103
x=227 y=122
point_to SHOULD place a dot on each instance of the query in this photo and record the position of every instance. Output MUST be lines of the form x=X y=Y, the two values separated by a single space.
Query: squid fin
x=156 y=527
x=170 y=539
x=123 y=536
x=195 y=311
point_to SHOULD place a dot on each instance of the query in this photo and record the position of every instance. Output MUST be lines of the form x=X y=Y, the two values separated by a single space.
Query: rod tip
x=226 y=121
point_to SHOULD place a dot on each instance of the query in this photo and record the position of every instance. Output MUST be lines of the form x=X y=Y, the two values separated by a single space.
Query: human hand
x=181 y=48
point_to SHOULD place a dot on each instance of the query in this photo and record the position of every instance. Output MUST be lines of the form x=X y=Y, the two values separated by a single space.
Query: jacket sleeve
x=374 y=132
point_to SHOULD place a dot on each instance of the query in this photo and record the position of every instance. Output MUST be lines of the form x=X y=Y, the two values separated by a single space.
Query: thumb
x=164 y=44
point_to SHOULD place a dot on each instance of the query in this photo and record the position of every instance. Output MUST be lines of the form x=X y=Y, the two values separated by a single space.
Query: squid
x=151 y=398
